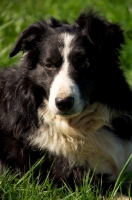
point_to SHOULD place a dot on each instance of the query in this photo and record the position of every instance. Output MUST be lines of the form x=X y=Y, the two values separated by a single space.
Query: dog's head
x=73 y=63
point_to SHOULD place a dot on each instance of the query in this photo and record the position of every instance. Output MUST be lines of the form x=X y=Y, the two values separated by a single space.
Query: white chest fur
x=82 y=140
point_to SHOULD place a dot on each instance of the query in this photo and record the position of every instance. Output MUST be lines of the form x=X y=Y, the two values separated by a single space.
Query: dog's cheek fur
x=24 y=97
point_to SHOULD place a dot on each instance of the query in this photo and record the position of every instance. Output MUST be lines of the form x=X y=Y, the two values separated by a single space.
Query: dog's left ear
x=29 y=38
x=101 y=32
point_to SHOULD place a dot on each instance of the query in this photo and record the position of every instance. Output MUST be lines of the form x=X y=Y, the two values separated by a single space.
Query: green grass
x=12 y=187
x=15 y=16
x=16 y=189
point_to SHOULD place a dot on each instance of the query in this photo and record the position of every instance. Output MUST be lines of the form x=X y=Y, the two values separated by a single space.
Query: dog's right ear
x=106 y=35
x=29 y=38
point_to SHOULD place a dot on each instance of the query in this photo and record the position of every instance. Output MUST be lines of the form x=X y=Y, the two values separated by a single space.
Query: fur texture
x=68 y=99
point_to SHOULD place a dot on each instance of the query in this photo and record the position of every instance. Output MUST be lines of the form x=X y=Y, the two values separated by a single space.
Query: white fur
x=82 y=140
x=62 y=85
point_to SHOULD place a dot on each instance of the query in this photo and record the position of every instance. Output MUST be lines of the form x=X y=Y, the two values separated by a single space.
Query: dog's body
x=69 y=99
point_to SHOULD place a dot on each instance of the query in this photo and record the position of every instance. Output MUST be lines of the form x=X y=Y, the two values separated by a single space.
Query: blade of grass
x=29 y=173
x=121 y=178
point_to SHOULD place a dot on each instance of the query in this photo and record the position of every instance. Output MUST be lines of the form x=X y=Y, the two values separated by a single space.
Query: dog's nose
x=64 y=104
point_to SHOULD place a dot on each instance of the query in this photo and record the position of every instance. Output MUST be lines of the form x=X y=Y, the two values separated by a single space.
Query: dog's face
x=68 y=60
x=64 y=95
x=67 y=67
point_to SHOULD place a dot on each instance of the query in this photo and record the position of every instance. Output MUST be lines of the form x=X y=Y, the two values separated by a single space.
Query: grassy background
x=16 y=15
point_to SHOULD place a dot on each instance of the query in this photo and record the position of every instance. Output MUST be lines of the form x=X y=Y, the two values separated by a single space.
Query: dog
x=68 y=99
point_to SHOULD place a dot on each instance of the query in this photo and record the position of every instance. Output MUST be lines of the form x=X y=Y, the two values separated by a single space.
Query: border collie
x=68 y=100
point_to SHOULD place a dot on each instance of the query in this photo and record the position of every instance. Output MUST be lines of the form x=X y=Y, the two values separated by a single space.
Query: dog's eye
x=85 y=65
x=49 y=66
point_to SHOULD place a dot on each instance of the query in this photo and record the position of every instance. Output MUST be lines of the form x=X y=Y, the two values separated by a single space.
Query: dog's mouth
x=71 y=113
x=68 y=114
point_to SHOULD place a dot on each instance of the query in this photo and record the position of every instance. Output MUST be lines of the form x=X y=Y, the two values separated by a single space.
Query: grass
x=16 y=189
x=12 y=187
x=15 y=16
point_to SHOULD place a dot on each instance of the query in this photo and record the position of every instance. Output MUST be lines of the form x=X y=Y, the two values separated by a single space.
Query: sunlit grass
x=12 y=187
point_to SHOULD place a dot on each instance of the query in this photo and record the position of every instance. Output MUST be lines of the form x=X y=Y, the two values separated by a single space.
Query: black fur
x=23 y=88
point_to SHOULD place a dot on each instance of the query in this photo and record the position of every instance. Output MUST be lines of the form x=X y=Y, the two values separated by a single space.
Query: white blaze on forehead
x=62 y=85
x=67 y=49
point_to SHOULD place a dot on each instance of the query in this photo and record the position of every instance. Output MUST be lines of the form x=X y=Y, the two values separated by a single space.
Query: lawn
x=15 y=16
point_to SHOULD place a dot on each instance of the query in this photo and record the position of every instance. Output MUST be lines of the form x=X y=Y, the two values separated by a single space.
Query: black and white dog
x=68 y=99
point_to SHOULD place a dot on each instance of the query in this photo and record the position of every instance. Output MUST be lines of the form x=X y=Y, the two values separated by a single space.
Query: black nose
x=64 y=104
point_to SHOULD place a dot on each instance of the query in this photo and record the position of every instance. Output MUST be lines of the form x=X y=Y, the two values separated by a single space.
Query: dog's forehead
x=70 y=40
x=72 y=45
x=67 y=40
x=61 y=42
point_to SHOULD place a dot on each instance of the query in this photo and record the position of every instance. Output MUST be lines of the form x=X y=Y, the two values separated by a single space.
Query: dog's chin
x=69 y=114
